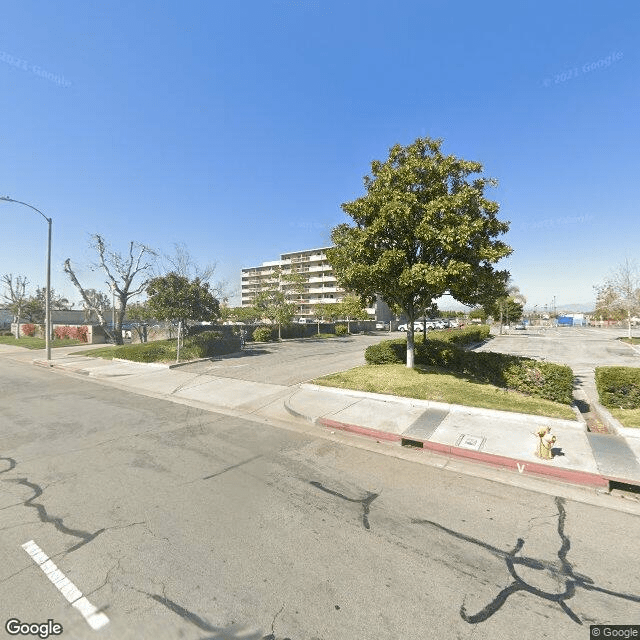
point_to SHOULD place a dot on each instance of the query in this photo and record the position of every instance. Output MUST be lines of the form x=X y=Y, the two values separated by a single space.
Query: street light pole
x=47 y=321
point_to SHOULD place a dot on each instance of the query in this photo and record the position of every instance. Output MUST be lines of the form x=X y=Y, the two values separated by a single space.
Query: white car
x=417 y=326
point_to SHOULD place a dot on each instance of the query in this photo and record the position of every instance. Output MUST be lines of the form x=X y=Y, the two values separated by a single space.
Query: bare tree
x=121 y=272
x=96 y=302
x=15 y=295
x=621 y=291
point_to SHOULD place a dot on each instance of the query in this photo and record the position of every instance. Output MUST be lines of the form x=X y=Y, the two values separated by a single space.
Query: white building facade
x=319 y=283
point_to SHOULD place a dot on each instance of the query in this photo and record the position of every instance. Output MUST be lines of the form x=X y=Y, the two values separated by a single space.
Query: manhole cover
x=470 y=442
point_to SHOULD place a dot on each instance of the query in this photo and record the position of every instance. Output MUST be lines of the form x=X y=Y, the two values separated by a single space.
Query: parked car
x=382 y=325
x=520 y=327
x=417 y=326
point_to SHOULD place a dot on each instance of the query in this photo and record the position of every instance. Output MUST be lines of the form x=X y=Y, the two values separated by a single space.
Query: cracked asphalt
x=181 y=523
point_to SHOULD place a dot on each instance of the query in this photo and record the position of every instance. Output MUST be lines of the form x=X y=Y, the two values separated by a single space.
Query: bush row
x=462 y=337
x=619 y=387
x=542 y=379
x=202 y=345
x=72 y=333
x=269 y=333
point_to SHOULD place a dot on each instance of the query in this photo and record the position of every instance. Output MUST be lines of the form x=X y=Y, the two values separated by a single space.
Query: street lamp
x=48 y=300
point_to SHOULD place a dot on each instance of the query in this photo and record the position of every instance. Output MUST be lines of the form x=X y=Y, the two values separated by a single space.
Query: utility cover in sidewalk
x=470 y=442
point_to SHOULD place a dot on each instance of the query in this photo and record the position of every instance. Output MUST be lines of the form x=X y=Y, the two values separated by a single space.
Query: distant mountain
x=575 y=308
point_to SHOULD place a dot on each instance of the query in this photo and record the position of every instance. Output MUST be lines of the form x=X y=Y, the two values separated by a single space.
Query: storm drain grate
x=417 y=444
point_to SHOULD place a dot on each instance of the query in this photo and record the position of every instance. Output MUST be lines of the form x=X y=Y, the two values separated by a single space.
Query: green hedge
x=265 y=334
x=541 y=379
x=619 y=387
x=341 y=330
x=462 y=337
x=202 y=345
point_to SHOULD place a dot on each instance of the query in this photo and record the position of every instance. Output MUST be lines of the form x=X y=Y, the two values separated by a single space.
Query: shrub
x=542 y=379
x=28 y=330
x=341 y=330
x=387 y=352
x=619 y=387
x=462 y=337
x=262 y=334
x=208 y=344
x=71 y=333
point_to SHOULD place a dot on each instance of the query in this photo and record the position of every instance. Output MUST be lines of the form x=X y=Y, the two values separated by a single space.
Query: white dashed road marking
x=73 y=595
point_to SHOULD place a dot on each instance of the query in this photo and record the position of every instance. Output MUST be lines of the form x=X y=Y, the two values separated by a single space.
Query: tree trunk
x=410 y=346
x=118 y=328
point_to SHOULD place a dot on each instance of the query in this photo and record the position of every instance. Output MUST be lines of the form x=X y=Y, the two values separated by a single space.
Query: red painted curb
x=522 y=466
x=364 y=431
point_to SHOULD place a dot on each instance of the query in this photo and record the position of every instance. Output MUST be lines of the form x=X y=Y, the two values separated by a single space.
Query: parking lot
x=581 y=348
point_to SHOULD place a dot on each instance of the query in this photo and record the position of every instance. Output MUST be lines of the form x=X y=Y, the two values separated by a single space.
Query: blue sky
x=240 y=128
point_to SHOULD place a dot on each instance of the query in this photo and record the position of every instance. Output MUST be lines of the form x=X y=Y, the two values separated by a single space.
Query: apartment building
x=320 y=285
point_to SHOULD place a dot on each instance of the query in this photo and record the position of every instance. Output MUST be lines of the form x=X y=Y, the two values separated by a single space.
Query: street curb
x=431 y=404
x=566 y=475
x=583 y=478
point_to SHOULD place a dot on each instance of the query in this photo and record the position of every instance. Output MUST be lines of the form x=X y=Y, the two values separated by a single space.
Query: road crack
x=365 y=502
x=57 y=522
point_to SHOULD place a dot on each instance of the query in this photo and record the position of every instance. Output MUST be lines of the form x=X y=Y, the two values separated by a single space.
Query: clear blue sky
x=239 y=128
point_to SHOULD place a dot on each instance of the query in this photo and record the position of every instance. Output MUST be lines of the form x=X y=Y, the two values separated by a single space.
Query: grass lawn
x=108 y=353
x=628 y=417
x=633 y=340
x=322 y=336
x=156 y=351
x=37 y=343
x=430 y=383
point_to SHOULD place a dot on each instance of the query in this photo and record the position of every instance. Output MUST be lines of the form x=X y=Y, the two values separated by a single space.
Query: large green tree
x=424 y=228
x=176 y=297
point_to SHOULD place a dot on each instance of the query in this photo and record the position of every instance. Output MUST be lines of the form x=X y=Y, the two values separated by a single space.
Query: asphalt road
x=180 y=523
x=290 y=362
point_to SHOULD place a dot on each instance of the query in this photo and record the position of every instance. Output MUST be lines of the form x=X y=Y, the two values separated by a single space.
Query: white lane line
x=72 y=594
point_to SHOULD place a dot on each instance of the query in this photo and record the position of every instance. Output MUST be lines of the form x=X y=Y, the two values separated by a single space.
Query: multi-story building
x=319 y=284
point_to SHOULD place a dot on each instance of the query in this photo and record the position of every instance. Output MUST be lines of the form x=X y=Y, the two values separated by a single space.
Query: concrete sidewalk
x=498 y=438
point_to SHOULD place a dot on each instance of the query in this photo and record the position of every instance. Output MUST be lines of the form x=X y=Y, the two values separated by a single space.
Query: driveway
x=289 y=362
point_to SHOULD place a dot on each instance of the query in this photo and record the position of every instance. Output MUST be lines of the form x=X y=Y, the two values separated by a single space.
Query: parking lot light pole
x=47 y=322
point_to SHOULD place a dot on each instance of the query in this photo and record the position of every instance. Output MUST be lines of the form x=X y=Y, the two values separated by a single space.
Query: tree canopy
x=424 y=228
x=176 y=297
